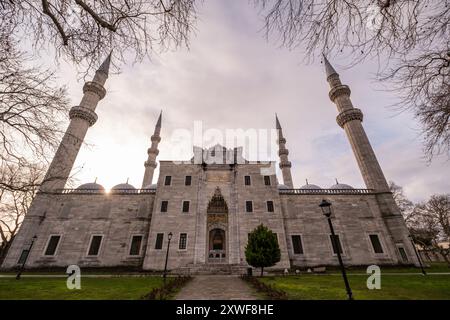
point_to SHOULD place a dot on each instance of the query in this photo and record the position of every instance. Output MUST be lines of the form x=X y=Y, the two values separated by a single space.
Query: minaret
x=81 y=118
x=350 y=118
x=152 y=152
x=285 y=164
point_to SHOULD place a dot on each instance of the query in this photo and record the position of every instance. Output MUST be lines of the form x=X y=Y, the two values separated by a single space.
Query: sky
x=233 y=78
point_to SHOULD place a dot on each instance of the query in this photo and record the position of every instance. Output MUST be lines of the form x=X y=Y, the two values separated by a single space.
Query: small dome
x=282 y=186
x=123 y=186
x=93 y=186
x=310 y=186
x=341 y=186
x=150 y=186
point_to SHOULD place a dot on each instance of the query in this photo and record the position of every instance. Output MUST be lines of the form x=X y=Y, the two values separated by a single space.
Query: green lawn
x=331 y=287
x=91 y=288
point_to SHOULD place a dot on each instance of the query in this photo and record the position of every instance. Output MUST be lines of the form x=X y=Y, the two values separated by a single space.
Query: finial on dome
x=95 y=181
x=104 y=67
x=127 y=180
x=328 y=67
x=278 y=125
x=337 y=182
x=307 y=181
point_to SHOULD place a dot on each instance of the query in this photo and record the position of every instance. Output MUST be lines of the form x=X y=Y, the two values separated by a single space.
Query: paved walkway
x=216 y=287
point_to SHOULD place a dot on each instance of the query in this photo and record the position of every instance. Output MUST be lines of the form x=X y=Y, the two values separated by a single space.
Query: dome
x=123 y=186
x=341 y=186
x=310 y=186
x=150 y=186
x=92 y=186
x=282 y=186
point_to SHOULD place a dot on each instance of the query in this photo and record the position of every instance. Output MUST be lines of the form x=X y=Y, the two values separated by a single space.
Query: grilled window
x=297 y=244
x=52 y=245
x=267 y=180
x=94 y=247
x=270 y=206
x=249 y=206
x=183 y=241
x=164 y=205
x=167 y=180
x=338 y=242
x=247 y=180
x=403 y=254
x=135 y=247
x=376 y=244
x=159 y=241
x=185 y=206
x=187 y=180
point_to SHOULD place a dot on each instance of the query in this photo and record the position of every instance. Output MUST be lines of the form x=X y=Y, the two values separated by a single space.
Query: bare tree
x=405 y=205
x=430 y=224
x=84 y=31
x=408 y=37
x=32 y=109
x=15 y=203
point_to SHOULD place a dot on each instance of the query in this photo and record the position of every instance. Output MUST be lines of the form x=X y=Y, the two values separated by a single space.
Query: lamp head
x=326 y=208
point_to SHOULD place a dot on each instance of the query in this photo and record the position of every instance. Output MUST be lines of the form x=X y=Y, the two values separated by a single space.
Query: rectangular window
x=249 y=206
x=23 y=256
x=185 y=206
x=94 y=247
x=164 y=205
x=159 y=241
x=187 y=180
x=270 y=206
x=183 y=241
x=247 y=180
x=167 y=180
x=135 y=248
x=52 y=245
x=267 y=180
x=403 y=254
x=297 y=244
x=376 y=244
x=333 y=243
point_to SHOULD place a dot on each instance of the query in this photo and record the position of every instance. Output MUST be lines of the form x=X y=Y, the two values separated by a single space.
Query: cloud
x=231 y=78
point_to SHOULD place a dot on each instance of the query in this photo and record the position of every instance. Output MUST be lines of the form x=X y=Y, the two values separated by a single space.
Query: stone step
x=223 y=269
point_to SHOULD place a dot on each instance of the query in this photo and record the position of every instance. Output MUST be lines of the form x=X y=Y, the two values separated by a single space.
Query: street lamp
x=169 y=237
x=25 y=258
x=326 y=210
x=417 y=255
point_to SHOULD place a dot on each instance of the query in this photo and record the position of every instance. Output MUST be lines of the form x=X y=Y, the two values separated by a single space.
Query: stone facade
x=209 y=205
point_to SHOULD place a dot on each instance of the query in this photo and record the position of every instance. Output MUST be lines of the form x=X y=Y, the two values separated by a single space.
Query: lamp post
x=326 y=210
x=26 y=257
x=417 y=255
x=169 y=237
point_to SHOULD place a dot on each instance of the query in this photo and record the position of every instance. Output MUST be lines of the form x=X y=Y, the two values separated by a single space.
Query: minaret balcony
x=83 y=113
x=154 y=138
x=339 y=91
x=283 y=152
x=96 y=88
x=349 y=115
x=285 y=164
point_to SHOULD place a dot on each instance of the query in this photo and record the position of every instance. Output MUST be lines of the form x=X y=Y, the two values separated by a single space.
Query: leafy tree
x=262 y=249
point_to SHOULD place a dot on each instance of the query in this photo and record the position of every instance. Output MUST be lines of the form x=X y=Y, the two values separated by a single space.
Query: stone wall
x=76 y=217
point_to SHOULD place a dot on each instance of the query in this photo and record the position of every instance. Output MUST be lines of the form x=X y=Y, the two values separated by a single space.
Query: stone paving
x=216 y=287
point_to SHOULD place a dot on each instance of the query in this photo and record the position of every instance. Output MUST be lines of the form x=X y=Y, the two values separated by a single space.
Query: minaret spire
x=350 y=119
x=152 y=152
x=82 y=117
x=285 y=164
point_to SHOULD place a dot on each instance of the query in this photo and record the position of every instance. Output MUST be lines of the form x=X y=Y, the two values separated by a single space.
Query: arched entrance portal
x=217 y=224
